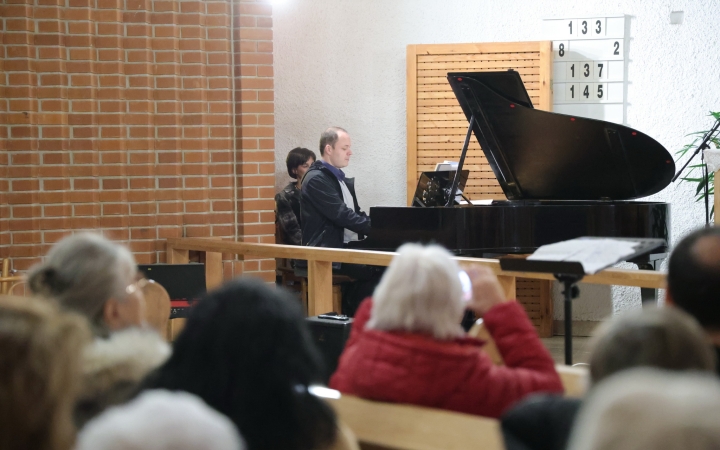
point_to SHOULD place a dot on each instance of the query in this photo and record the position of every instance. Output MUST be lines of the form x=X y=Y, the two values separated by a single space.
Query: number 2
x=617 y=48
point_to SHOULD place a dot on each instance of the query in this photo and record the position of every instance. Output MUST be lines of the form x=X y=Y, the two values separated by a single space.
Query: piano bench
x=295 y=279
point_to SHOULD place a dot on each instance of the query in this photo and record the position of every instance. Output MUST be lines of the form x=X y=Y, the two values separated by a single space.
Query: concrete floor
x=556 y=345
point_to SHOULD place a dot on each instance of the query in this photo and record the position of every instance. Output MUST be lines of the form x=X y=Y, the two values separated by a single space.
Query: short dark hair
x=246 y=351
x=694 y=278
x=297 y=158
x=329 y=137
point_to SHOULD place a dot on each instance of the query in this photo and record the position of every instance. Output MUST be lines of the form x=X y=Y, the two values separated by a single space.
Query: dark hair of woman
x=247 y=352
x=297 y=157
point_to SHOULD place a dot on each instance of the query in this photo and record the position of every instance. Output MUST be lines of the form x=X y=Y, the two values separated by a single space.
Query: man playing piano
x=331 y=216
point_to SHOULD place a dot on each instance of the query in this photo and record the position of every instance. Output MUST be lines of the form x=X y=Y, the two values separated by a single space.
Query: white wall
x=342 y=62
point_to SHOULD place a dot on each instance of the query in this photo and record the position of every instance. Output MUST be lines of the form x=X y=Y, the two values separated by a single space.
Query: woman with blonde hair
x=97 y=278
x=407 y=344
x=40 y=354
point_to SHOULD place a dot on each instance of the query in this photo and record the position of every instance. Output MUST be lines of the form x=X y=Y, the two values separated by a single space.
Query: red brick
x=56 y=185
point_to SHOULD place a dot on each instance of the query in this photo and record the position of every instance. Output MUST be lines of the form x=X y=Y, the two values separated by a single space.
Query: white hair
x=420 y=292
x=640 y=409
x=160 y=420
x=82 y=272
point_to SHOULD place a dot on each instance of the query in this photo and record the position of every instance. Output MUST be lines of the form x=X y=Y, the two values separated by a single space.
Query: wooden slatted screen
x=436 y=126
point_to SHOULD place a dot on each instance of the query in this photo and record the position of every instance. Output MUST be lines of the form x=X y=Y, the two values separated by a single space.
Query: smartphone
x=466 y=285
x=334 y=316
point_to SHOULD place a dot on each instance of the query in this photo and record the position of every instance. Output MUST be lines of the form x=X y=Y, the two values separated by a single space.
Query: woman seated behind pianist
x=407 y=345
x=287 y=201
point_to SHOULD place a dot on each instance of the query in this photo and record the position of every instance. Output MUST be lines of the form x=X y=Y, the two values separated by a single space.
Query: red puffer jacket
x=456 y=375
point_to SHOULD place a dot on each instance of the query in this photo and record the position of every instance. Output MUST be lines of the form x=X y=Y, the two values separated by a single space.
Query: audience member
x=407 y=344
x=650 y=409
x=89 y=274
x=662 y=338
x=160 y=420
x=694 y=281
x=247 y=352
x=40 y=354
x=287 y=201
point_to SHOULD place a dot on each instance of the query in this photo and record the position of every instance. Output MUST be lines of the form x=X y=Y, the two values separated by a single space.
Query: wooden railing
x=320 y=266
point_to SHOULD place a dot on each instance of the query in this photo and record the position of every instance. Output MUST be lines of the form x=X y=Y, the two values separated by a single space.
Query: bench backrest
x=379 y=425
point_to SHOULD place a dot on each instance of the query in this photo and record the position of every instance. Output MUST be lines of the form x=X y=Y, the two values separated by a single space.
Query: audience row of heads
x=247 y=354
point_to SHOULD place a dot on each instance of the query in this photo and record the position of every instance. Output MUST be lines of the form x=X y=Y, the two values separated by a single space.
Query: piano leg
x=649 y=296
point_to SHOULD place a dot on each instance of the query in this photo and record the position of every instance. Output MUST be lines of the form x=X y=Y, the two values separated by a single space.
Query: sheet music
x=593 y=254
x=446 y=166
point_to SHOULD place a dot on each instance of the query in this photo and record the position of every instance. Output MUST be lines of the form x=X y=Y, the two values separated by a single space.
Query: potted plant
x=698 y=173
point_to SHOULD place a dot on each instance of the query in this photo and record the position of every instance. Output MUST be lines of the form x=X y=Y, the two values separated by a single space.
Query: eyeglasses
x=136 y=286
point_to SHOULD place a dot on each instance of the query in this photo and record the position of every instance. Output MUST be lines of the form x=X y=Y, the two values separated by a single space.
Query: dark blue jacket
x=324 y=212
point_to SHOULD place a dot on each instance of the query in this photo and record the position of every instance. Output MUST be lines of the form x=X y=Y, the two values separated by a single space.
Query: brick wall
x=146 y=119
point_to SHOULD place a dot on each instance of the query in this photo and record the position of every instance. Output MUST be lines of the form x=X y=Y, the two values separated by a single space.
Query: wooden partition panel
x=436 y=126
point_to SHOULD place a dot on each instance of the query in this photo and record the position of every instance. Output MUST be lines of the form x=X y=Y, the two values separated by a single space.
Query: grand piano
x=563 y=176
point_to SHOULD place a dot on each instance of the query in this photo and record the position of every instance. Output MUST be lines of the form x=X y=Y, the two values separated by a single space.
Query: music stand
x=569 y=273
x=434 y=188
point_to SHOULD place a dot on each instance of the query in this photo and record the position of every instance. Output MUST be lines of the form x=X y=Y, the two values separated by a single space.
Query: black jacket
x=324 y=213
x=541 y=422
x=287 y=204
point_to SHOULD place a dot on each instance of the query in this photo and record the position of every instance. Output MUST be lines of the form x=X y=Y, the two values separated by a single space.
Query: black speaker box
x=330 y=336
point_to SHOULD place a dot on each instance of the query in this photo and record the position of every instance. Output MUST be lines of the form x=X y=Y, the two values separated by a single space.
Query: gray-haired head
x=665 y=338
x=161 y=420
x=643 y=409
x=82 y=272
x=420 y=292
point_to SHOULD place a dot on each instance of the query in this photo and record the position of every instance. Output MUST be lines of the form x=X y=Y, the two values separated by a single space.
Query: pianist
x=330 y=214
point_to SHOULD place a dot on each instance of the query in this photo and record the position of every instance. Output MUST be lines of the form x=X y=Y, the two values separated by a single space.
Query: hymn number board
x=588 y=66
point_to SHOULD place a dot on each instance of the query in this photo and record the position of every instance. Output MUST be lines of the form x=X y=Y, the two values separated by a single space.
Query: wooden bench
x=387 y=426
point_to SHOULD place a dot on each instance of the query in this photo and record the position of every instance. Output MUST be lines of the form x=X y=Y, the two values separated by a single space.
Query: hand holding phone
x=486 y=290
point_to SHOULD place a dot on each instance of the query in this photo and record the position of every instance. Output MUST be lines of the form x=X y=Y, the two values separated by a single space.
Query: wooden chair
x=157 y=308
x=575 y=379
x=11 y=284
x=379 y=425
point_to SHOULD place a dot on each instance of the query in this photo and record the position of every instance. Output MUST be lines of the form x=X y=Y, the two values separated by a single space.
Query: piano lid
x=548 y=156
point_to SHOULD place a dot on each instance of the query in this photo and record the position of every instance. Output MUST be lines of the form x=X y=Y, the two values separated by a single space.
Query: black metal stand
x=571 y=291
x=569 y=273
x=456 y=180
